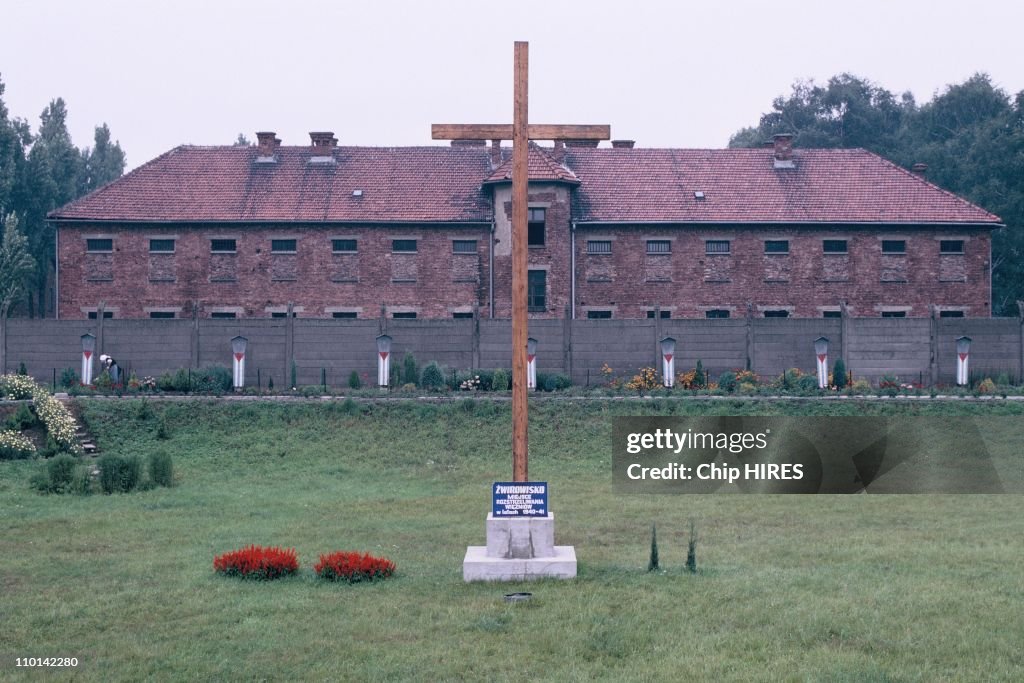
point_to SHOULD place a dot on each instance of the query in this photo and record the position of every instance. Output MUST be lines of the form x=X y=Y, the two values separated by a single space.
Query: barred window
x=834 y=246
x=222 y=246
x=776 y=246
x=345 y=315
x=161 y=315
x=99 y=245
x=659 y=246
x=405 y=246
x=536 y=290
x=716 y=246
x=223 y=315
x=161 y=246
x=599 y=315
x=894 y=246
x=599 y=246
x=951 y=246
x=464 y=246
x=343 y=246
x=664 y=315
x=535 y=227
x=283 y=246
x=717 y=313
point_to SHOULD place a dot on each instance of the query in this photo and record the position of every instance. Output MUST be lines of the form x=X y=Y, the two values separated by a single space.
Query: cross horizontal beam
x=536 y=131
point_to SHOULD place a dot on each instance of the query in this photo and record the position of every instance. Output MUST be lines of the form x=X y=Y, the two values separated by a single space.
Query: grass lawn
x=816 y=588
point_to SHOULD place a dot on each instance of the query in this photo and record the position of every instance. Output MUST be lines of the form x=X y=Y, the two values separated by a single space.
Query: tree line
x=40 y=171
x=971 y=136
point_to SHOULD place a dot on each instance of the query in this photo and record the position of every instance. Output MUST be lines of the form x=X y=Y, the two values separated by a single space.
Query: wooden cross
x=520 y=132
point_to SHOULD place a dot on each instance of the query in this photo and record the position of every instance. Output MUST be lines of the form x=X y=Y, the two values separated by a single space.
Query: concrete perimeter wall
x=914 y=349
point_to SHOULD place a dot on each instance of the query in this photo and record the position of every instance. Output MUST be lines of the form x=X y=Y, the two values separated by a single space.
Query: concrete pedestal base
x=519 y=549
x=477 y=566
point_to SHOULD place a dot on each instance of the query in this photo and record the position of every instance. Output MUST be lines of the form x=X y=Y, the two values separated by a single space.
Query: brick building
x=618 y=232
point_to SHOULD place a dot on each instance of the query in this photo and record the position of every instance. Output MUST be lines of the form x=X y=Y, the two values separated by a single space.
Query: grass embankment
x=854 y=588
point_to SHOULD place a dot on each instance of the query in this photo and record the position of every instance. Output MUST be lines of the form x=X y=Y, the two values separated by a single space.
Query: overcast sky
x=667 y=74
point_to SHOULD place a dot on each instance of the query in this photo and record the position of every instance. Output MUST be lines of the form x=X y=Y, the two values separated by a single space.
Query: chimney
x=919 y=169
x=267 y=143
x=469 y=143
x=323 y=142
x=558 y=153
x=581 y=143
x=623 y=144
x=783 y=150
x=495 y=154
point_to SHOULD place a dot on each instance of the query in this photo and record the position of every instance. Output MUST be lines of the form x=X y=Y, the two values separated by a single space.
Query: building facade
x=425 y=232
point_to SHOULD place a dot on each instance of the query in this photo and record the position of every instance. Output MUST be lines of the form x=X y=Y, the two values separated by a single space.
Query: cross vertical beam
x=520 y=150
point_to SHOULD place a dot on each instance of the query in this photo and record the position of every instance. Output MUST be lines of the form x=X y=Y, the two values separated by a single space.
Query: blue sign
x=519 y=499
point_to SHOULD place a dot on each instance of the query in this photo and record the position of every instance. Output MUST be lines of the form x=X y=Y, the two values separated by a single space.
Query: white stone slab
x=521 y=538
x=478 y=566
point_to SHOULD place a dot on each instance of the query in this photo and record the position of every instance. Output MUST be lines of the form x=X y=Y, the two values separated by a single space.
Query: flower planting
x=258 y=563
x=15 y=446
x=59 y=424
x=17 y=387
x=353 y=567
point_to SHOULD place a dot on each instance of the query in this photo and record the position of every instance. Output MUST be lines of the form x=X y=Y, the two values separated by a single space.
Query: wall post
x=289 y=344
x=476 y=336
x=1020 y=343
x=567 y=341
x=194 y=346
x=844 y=332
x=100 y=310
x=3 y=341
x=933 y=346
x=750 y=336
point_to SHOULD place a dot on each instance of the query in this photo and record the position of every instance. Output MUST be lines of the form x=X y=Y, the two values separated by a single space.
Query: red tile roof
x=446 y=184
x=540 y=166
x=189 y=183
x=742 y=185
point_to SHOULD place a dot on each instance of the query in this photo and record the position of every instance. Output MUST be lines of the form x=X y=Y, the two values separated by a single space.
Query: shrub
x=353 y=567
x=22 y=419
x=646 y=380
x=22 y=370
x=807 y=383
x=839 y=374
x=61 y=474
x=68 y=378
x=653 y=563
x=257 y=563
x=861 y=387
x=17 y=387
x=162 y=432
x=161 y=469
x=691 y=549
x=410 y=372
x=433 y=377
x=119 y=474
x=700 y=378
x=727 y=381
x=353 y=380
x=102 y=381
x=486 y=378
x=15 y=446
x=986 y=386
x=143 y=410
x=215 y=379
x=410 y=387
x=499 y=381
x=395 y=378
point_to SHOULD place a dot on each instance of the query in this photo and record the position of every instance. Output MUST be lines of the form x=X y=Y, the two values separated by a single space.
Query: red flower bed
x=353 y=567
x=257 y=562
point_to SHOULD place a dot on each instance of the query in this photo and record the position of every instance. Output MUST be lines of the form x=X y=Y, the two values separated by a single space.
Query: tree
x=242 y=141
x=12 y=154
x=101 y=164
x=16 y=265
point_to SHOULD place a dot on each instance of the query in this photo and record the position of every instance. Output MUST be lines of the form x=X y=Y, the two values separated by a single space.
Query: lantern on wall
x=238 y=346
x=531 y=363
x=668 y=361
x=821 y=354
x=963 y=351
x=88 y=351
x=383 y=360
